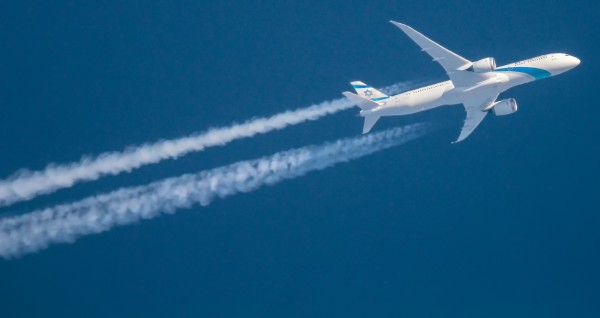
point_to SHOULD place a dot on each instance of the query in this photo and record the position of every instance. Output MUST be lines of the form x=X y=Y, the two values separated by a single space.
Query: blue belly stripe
x=537 y=73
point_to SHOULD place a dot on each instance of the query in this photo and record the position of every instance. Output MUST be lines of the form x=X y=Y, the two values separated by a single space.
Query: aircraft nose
x=575 y=61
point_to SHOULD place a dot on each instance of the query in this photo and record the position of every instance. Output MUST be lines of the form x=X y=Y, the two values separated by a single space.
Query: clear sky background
x=504 y=224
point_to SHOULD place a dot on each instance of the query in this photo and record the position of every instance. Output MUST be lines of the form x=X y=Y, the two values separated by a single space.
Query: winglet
x=402 y=26
x=474 y=118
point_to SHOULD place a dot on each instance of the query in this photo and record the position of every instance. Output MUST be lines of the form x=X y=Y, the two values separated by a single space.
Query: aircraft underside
x=475 y=85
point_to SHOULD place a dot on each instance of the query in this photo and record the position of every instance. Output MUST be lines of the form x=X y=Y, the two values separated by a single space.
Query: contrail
x=25 y=185
x=26 y=233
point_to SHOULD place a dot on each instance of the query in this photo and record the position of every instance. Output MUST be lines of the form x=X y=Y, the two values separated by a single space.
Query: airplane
x=476 y=85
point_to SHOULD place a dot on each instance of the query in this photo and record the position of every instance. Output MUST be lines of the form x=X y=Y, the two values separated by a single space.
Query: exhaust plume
x=25 y=185
x=22 y=234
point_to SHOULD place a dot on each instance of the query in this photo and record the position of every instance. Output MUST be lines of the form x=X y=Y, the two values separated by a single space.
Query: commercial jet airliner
x=476 y=85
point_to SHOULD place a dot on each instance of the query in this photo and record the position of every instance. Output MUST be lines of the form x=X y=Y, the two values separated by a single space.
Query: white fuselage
x=494 y=83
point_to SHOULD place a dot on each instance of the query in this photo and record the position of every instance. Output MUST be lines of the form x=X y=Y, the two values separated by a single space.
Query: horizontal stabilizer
x=370 y=121
x=363 y=103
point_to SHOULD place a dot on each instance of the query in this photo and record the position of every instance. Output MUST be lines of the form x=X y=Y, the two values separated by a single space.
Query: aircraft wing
x=453 y=64
x=475 y=114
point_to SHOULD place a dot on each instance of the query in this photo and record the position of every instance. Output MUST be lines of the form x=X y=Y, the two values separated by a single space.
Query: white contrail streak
x=25 y=185
x=22 y=234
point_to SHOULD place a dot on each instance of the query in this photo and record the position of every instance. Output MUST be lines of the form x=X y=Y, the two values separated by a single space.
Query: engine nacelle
x=487 y=64
x=505 y=107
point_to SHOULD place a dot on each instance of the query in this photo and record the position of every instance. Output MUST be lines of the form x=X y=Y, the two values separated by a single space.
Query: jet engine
x=505 y=107
x=487 y=64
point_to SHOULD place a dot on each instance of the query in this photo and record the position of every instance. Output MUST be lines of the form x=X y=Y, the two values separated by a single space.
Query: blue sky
x=504 y=224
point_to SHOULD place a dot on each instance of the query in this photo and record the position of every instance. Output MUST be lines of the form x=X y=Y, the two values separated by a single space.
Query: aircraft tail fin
x=370 y=121
x=366 y=105
x=363 y=103
x=366 y=91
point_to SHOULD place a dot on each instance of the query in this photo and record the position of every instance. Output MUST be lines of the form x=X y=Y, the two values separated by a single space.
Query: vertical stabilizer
x=366 y=91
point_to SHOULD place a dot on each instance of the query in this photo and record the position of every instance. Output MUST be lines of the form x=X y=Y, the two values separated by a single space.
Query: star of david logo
x=368 y=93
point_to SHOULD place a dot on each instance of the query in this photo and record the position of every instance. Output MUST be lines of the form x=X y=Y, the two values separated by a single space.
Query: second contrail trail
x=22 y=234
x=26 y=185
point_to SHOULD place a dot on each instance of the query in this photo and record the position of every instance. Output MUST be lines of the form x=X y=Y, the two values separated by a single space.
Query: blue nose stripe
x=537 y=73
